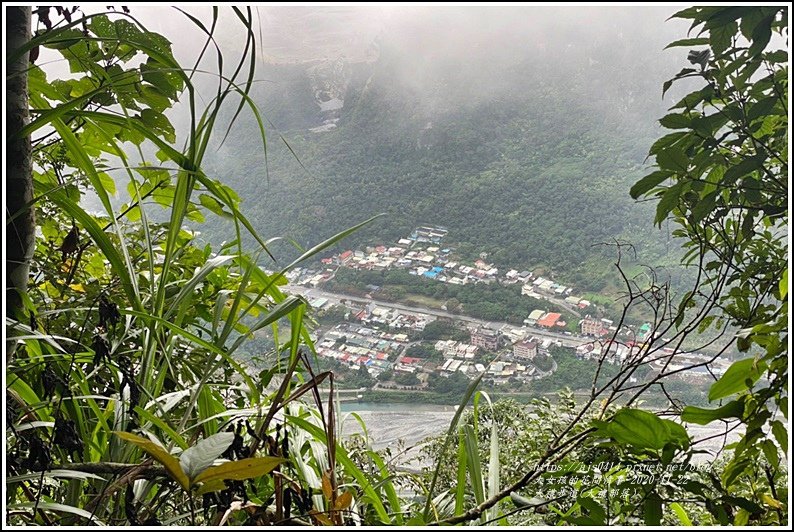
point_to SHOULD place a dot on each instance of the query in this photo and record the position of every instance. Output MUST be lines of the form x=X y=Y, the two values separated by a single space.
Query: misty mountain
x=519 y=129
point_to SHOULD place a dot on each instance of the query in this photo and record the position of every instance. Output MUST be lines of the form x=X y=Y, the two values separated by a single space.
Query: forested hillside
x=534 y=176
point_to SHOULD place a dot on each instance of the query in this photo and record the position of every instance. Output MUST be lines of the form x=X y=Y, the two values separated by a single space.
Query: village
x=379 y=338
x=369 y=340
x=422 y=253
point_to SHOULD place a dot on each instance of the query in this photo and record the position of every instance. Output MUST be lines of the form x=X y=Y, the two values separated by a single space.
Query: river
x=401 y=426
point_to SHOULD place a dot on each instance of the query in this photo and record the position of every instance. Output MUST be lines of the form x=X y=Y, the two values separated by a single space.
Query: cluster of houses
x=373 y=315
x=357 y=346
x=428 y=261
x=423 y=254
x=691 y=367
x=363 y=341
x=540 y=287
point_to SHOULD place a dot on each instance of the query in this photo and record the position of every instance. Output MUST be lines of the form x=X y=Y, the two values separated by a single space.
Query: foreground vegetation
x=126 y=404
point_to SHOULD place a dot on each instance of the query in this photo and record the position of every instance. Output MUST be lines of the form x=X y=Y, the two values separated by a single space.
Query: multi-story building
x=527 y=349
x=591 y=326
x=485 y=338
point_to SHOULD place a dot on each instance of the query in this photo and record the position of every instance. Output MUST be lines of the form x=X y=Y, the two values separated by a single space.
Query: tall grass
x=138 y=328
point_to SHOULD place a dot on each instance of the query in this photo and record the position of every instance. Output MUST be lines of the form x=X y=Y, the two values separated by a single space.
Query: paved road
x=568 y=341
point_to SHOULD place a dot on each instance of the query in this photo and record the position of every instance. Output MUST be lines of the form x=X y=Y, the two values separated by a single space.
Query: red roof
x=409 y=360
x=346 y=254
x=550 y=319
x=382 y=356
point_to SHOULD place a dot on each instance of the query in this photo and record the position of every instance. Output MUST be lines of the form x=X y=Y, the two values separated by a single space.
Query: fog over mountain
x=518 y=128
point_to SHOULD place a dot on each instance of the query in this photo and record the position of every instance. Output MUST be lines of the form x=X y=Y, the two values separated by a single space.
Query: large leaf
x=672 y=158
x=649 y=182
x=741 y=375
x=704 y=416
x=240 y=469
x=158 y=453
x=199 y=457
x=642 y=429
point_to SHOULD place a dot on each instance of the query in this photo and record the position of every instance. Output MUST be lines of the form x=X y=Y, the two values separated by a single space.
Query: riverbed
x=400 y=426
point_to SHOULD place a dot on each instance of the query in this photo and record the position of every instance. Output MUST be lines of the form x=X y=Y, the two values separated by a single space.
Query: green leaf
x=653 y=510
x=680 y=513
x=678 y=434
x=704 y=416
x=473 y=464
x=704 y=206
x=158 y=122
x=213 y=205
x=783 y=285
x=781 y=435
x=67 y=37
x=158 y=453
x=770 y=453
x=746 y=166
x=642 y=429
x=741 y=375
x=594 y=510
x=199 y=457
x=675 y=121
x=56 y=507
x=210 y=486
x=697 y=41
x=522 y=502
x=667 y=203
x=240 y=469
x=107 y=183
x=673 y=158
x=648 y=182
x=721 y=37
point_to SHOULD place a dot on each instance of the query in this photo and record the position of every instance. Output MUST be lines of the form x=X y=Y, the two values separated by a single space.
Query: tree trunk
x=20 y=231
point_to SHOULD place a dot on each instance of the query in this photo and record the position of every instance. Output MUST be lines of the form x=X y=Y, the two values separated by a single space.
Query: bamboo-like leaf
x=473 y=463
x=240 y=469
x=460 y=488
x=56 y=507
x=158 y=453
x=55 y=473
x=450 y=432
x=493 y=467
x=349 y=467
x=205 y=270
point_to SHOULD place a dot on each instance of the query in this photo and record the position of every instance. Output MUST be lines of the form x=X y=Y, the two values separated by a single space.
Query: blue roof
x=432 y=274
x=437 y=269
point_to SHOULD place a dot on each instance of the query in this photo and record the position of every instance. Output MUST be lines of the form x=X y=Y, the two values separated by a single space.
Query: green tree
x=722 y=177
